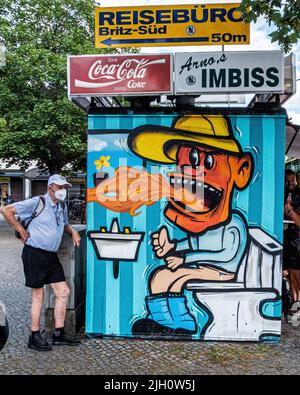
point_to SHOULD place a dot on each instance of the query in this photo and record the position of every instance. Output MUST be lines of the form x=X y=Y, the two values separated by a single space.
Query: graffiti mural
x=185 y=238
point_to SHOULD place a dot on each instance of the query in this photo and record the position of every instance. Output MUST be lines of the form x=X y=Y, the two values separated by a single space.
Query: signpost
x=102 y=75
x=170 y=25
x=229 y=72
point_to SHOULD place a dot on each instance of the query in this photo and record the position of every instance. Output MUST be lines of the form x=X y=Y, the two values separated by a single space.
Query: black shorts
x=291 y=255
x=41 y=267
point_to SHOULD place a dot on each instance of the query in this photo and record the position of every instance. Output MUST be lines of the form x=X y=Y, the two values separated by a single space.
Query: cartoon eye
x=194 y=157
x=209 y=161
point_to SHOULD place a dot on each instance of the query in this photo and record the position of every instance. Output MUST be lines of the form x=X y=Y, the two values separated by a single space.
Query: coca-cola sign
x=103 y=75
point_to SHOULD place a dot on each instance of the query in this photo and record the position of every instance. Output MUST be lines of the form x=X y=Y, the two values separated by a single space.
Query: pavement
x=127 y=356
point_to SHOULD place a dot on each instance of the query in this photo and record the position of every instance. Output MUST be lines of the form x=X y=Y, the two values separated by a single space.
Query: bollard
x=74 y=263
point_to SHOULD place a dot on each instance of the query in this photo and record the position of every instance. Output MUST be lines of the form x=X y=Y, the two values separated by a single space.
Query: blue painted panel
x=141 y=294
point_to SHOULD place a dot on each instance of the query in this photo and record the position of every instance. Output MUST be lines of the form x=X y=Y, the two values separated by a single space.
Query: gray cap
x=58 y=180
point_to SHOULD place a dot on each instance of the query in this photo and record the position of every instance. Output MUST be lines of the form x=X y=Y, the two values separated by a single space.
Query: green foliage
x=37 y=121
x=284 y=15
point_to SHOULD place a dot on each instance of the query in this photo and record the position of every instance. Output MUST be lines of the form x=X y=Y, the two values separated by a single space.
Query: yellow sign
x=148 y=26
x=5 y=179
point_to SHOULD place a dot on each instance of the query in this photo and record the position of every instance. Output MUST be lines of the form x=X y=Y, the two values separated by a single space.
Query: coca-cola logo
x=107 y=73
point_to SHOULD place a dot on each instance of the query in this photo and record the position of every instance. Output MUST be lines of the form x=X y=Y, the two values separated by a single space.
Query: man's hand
x=287 y=208
x=74 y=234
x=76 y=238
x=173 y=262
x=161 y=242
x=9 y=214
x=24 y=235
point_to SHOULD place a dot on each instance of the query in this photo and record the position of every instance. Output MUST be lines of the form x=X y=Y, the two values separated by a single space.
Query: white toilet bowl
x=236 y=308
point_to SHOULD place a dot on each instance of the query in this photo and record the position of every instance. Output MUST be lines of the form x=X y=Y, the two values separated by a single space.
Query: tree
x=285 y=15
x=37 y=121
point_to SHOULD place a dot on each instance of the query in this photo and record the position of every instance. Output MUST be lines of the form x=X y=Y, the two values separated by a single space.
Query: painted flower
x=103 y=161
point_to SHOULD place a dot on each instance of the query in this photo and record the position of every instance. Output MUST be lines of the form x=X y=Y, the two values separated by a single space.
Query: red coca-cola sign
x=103 y=75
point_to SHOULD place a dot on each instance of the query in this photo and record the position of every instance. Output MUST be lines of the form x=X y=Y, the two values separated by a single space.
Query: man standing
x=291 y=239
x=41 y=264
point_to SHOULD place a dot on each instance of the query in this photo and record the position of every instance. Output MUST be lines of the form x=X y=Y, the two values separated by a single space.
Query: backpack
x=37 y=211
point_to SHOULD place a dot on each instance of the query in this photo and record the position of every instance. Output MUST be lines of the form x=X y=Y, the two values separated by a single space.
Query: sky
x=259 y=41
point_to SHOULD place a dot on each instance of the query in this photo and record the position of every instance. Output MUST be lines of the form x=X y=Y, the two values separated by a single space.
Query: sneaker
x=38 y=343
x=296 y=319
x=65 y=340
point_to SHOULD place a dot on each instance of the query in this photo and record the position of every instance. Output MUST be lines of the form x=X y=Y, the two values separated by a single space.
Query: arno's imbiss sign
x=194 y=73
x=224 y=72
x=170 y=25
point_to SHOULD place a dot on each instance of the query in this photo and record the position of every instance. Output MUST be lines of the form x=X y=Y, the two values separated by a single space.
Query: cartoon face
x=203 y=186
x=210 y=165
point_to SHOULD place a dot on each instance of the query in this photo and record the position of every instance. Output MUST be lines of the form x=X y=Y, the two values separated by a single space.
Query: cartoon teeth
x=187 y=182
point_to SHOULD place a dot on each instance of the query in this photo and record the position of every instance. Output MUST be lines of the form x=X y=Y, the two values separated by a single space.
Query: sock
x=34 y=332
x=59 y=331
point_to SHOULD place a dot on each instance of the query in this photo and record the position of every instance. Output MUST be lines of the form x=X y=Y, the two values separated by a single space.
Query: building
x=21 y=185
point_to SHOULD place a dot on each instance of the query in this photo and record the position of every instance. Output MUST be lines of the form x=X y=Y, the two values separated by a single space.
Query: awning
x=292 y=141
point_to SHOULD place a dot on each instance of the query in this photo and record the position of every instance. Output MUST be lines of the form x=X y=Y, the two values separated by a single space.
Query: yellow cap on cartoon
x=160 y=144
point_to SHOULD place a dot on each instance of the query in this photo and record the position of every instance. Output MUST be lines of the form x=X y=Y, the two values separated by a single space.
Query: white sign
x=290 y=74
x=229 y=72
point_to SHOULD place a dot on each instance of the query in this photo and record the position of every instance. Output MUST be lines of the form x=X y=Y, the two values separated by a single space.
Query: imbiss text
x=219 y=77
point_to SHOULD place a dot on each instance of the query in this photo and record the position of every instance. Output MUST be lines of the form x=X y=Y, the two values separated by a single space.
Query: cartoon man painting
x=210 y=166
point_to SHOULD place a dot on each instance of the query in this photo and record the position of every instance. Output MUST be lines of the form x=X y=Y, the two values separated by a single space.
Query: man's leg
x=295 y=284
x=167 y=307
x=36 y=340
x=167 y=281
x=62 y=293
x=36 y=308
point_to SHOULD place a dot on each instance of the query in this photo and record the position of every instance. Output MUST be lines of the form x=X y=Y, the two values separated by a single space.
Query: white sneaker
x=296 y=319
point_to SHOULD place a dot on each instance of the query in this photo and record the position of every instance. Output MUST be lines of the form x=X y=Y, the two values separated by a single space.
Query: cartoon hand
x=173 y=262
x=161 y=242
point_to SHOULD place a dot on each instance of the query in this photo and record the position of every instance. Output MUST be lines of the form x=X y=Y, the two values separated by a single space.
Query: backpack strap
x=39 y=208
x=37 y=211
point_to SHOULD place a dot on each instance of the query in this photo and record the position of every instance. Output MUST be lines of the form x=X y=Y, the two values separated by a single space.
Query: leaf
x=284 y=17
x=37 y=121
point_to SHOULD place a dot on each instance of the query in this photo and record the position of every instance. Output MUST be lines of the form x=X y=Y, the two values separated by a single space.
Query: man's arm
x=234 y=240
x=9 y=212
x=74 y=234
x=292 y=214
x=70 y=230
x=182 y=245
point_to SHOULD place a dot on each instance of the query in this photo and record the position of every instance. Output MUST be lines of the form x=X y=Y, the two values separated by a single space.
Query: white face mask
x=60 y=194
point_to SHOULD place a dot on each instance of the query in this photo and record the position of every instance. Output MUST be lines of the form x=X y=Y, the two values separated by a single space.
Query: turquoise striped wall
x=113 y=304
